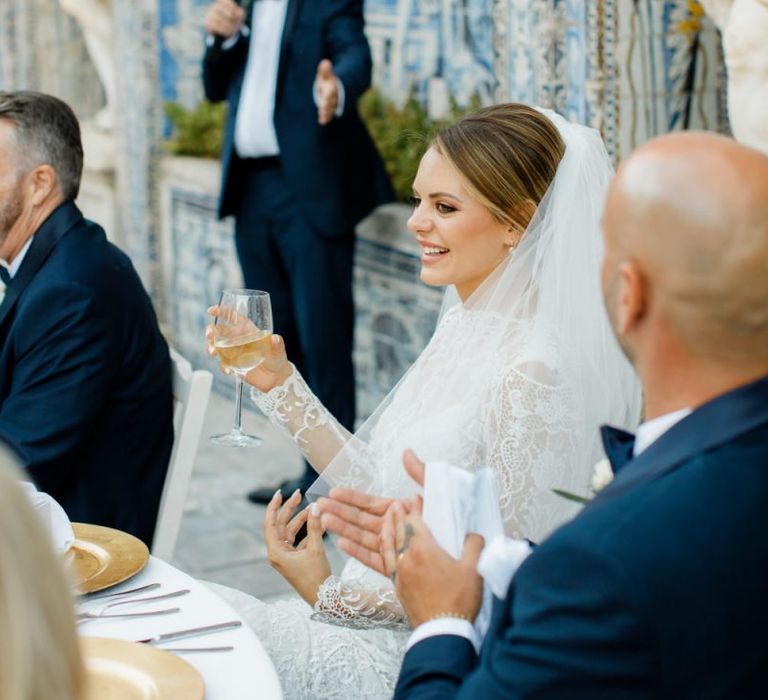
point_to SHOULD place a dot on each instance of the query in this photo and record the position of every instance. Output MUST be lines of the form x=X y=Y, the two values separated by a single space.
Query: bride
x=520 y=371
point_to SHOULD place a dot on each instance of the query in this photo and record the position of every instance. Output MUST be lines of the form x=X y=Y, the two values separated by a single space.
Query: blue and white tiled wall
x=632 y=68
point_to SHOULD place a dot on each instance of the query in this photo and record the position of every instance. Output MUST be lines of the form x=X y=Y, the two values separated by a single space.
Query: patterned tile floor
x=221 y=534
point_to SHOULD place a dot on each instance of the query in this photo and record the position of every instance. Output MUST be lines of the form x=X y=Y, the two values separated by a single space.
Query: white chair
x=191 y=390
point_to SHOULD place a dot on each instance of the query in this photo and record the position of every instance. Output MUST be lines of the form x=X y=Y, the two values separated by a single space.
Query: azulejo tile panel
x=632 y=68
x=595 y=61
x=395 y=312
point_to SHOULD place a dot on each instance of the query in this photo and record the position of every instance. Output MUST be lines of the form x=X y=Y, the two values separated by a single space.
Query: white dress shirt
x=13 y=267
x=652 y=430
x=647 y=433
x=255 y=135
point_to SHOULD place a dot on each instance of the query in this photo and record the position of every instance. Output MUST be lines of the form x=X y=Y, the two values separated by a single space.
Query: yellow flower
x=692 y=25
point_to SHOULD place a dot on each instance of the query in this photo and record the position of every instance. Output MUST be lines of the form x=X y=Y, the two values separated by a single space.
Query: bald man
x=658 y=588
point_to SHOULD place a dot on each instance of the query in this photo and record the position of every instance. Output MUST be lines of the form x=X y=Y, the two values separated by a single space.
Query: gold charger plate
x=121 y=670
x=103 y=557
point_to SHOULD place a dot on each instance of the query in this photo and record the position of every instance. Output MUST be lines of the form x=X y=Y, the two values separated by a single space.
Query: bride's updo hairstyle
x=508 y=155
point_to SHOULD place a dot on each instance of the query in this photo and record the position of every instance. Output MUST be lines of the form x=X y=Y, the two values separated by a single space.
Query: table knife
x=193 y=632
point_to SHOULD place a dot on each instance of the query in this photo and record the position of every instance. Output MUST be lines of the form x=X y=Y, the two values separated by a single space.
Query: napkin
x=499 y=561
x=457 y=502
x=52 y=516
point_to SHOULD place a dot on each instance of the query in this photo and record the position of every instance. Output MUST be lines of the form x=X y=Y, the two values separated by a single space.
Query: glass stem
x=238 y=402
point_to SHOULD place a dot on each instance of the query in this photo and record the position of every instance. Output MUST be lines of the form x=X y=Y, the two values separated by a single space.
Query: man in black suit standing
x=85 y=376
x=298 y=172
x=657 y=589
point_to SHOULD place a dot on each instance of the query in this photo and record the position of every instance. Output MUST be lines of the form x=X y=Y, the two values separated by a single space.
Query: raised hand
x=275 y=368
x=224 y=18
x=305 y=566
x=327 y=91
x=428 y=580
x=358 y=517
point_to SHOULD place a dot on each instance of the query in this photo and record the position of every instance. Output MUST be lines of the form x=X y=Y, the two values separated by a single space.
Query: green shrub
x=196 y=132
x=400 y=134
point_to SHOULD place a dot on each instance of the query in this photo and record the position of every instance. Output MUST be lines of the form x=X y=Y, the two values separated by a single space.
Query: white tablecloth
x=246 y=672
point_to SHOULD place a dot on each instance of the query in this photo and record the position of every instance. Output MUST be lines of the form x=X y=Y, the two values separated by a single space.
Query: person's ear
x=632 y=300
x=42 y=183
x=512 y=238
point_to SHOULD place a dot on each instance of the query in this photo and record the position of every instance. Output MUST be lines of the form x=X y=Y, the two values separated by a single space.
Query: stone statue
x=95 y=19
x=744 y=28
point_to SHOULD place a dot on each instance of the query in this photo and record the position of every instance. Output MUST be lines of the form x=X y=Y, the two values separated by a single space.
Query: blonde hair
x=39 y=654
x=508 y=155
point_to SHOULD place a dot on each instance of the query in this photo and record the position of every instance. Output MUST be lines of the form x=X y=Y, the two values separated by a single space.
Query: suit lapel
x=713 y=424
x=45 y=240
x=291 y=13
x=247 y=5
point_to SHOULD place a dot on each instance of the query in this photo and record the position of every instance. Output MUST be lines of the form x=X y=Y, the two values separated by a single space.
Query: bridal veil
x=521 y=374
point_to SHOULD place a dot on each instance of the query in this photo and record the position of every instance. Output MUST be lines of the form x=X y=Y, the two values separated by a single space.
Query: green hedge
x=400 y=133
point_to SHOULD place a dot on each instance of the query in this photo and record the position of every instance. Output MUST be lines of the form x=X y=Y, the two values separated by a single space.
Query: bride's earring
x=513 y=244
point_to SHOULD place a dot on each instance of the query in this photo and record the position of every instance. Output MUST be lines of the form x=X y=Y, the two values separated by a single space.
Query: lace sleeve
x=293 y=408
x=365 y=599
x=535 y=445
x=360 y=603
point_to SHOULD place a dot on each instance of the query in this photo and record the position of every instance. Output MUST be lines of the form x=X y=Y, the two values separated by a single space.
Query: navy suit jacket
x=334 y=171
x=85 y=377
x=657 y=589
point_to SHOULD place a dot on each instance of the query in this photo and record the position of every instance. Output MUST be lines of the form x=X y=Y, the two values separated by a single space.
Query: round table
x=242 y=673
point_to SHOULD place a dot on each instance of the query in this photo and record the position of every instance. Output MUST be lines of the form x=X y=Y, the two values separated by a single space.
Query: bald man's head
x=689 y=212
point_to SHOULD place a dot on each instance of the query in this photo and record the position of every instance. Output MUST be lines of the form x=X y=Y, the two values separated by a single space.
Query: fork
x=141 y=589
x=98 y=612
x=85 y=617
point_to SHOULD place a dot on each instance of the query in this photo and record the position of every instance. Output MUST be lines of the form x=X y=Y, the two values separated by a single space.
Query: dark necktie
x=618 y=445
x=5 y=276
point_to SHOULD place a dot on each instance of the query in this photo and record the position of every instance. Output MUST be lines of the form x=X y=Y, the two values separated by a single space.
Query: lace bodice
x=517 y=377
x=513 y=417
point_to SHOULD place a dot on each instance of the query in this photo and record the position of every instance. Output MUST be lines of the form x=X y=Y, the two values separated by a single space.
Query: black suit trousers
x=309 y=278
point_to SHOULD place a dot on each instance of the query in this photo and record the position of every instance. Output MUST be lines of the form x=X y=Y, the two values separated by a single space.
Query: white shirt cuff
x=339 y=105
x=444 y=625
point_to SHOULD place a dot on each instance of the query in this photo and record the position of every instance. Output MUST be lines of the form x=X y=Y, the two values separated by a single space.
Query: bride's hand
x=357 y=518
x=305 y=566
x=275 y=368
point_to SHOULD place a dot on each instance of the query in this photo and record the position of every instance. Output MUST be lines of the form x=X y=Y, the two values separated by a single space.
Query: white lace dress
x=516 y=417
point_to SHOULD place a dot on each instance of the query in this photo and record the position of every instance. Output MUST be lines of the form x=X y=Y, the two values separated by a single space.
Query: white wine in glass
x=242 y=334
x=245 y=353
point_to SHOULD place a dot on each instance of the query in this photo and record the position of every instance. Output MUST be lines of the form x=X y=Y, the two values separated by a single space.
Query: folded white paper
x=52 y=516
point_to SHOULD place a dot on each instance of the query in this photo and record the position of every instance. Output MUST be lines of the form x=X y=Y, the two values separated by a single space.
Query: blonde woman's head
x=477 y=188
x=39 y=657
x=508 y=154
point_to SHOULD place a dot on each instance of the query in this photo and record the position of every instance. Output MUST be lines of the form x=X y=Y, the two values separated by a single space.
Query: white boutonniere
x=602 y=475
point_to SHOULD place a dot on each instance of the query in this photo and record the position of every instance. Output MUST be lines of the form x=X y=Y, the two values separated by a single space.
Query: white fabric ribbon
x=53 y=517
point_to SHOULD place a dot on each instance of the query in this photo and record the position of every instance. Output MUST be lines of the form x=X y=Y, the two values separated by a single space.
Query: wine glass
x=242 y=335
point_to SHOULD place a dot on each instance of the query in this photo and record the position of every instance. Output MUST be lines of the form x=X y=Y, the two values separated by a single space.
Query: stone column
x=138 y=129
